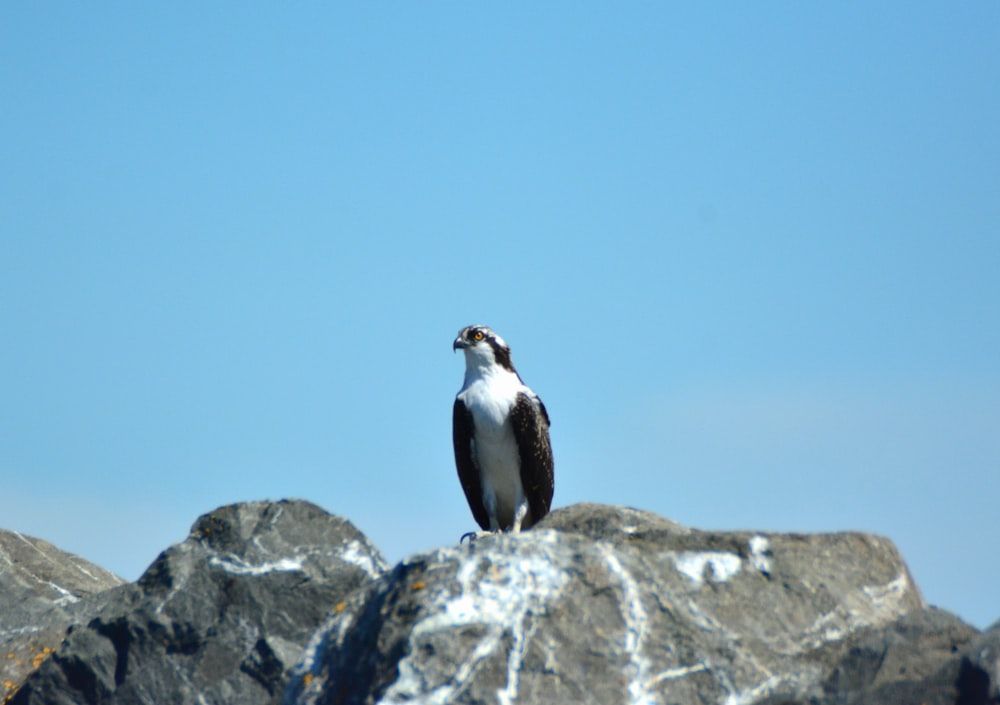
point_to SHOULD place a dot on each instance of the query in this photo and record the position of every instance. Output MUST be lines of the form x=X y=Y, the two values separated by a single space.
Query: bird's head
x=483 y=348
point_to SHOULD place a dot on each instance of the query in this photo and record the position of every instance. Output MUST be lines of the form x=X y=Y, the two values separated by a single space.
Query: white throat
x=489 y=390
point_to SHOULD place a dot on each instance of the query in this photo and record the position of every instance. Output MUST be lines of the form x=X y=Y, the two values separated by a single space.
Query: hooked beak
x=459 y=344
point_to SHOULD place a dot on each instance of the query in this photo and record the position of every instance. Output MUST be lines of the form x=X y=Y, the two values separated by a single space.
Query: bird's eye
x=478 y=335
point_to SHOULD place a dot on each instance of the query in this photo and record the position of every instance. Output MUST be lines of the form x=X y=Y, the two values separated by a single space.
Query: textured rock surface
x=43 y=591
x=597 y=605
x=915 y=659
x=218 y=618
x=979 y=670
x=609 y=605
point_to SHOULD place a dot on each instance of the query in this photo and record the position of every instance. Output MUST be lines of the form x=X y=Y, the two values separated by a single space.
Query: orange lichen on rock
x=11 y=688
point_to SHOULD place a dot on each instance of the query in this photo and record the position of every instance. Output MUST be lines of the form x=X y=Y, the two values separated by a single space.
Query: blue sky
x=749 y=256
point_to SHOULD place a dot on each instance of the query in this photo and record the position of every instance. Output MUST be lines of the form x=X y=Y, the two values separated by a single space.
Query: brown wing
x=530 y=421
x=468 y=471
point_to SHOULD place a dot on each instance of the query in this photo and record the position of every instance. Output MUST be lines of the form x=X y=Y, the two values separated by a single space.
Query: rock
x=913 y=660
x=36 y=579
x=218 y=618
x=609 y=605
x=596 y=604
x=43 y=591
x=979 y=671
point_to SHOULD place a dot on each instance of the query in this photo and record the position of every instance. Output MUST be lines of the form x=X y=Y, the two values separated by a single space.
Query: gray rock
x=914 y=660
x=36 y=578
x=43 y=591
x=218 y=618
x=979 y=670
x=597 y=604
x=608 y=605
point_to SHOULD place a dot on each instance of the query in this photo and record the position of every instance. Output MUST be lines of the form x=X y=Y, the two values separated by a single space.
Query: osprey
x=501 y=434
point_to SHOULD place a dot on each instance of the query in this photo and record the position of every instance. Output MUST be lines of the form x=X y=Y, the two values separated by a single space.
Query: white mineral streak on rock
x=888 y=596
x=497 y=590
x=871 y=605
x=277 y=515
x=237 y=566
x=642 y=686
x=353 y=552
x=694 y=564
x=760 y=549
x=66 y=597
x=522 y=637
x=761 y=690
x=260 y=545
x=181 y=574
x=36 y=549
x=704 y=620
x=675 y=673
x=23 y=538
x=334 y=631
x=636 y=622
x=85 y=571
x=21 y=631
x=322 y=638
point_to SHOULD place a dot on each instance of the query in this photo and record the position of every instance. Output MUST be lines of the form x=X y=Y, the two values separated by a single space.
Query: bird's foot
x=471 y=536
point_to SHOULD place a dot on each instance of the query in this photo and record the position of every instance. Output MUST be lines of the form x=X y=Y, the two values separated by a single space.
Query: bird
x=500 y=430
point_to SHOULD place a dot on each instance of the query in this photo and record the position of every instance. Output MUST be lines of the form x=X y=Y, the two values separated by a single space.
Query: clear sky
x=747 y=253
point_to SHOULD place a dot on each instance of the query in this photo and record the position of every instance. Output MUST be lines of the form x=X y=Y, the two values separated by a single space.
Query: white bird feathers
x=501 y=437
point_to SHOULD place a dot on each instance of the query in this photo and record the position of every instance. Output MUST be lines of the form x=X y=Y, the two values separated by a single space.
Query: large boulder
x=218 y=618
x=609 y=605
x=597 y=604
x=43 y=592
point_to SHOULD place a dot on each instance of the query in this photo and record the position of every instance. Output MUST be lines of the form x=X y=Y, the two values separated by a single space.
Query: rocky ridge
x=43 y=590
x=281 y=602
x=218 y=618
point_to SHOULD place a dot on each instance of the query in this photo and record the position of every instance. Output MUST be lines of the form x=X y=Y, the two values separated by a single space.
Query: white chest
x=489 y=401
